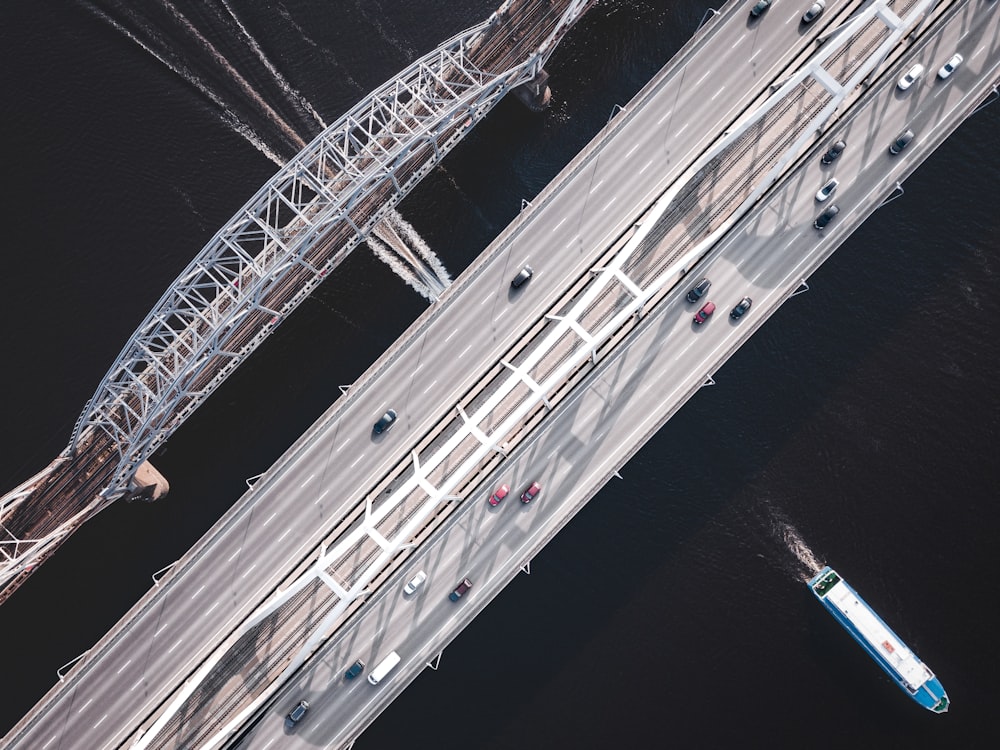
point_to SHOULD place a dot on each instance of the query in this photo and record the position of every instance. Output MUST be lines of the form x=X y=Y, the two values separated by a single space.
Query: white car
x=949 y=67
x=827 y=190
x=912 y=75
x=814 y=10
x=415 y=583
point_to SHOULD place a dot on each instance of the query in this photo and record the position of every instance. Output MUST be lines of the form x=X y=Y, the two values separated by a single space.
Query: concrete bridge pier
x=148 y=484
x=535 y=94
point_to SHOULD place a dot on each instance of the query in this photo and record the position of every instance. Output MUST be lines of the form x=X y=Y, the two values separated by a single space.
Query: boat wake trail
x=798 y=547
x=227 y=115
x=182 y=41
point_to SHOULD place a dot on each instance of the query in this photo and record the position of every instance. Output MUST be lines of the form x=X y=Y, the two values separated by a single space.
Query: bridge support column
x=148 y=484
x=535 y=94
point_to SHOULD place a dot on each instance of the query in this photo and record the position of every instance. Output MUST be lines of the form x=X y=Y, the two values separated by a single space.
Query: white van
x=384 y=667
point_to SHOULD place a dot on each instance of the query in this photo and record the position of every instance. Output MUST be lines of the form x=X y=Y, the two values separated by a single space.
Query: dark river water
x=860 y=426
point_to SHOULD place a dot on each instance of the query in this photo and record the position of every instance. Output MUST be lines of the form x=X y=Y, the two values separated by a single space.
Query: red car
x=531 y=493
x=499 y=495
x=704 y=313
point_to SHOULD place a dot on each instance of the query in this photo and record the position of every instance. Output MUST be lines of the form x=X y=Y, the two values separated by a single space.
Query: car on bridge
x=834 y=152
x=910 y=77
x=902 y=141
x=500 y=494
x=827 y=190
x=355 y=669
x=522 y=278
x=699 y=290
x=949 y=67
x=704 y=313
x=741 y=307
x=463 y=586
x=415 y=583
x=385 y=422
x=296 y=714
x=826 y=217
x=813 y=12
x=758 y=9
x=531 y=493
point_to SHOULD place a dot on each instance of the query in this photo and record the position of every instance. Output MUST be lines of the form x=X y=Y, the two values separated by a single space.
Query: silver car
x=814 y=10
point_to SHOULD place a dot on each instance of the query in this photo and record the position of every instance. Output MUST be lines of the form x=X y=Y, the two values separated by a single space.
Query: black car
x=826 y=217
x=355 y=669
x=464 y=585
x=699 y=290
x=833 y=152
x=522 y=277
x=385 y=422
x=296 y=714
x=741 y=307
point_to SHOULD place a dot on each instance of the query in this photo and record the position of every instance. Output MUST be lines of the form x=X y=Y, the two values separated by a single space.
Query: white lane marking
x=428 y=388
x=341 y=446
x=285 y=534
x=210 y=609
x=248 y=570
x=646 y=167
x=178 y=643
x=308 y=480
x=137 y=684
x=681 y=352
x=269 y=519
x=123 y=667
x=682 y=129
x=738 y=42
x=556 y=227
x=707 y=74
x=721 y=89
x=794 y=239
x=361 y=456
x=630 y=152
x=483 y=301
x=756 y=53
x=570 y=243
x=466 y=349
x=450 y=335
x=609 y=203
x=233 y=556
x=321 y=496
x=100 y=722
x=597 y=185
x=660 y=121
x=790 y=19
x=80 y=710
x=197 y=592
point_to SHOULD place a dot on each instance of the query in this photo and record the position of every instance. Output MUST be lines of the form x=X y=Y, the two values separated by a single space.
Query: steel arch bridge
x=281 y=244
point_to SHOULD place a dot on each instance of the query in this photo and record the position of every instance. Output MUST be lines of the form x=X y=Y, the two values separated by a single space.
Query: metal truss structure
x=271 y=255
x=571 y=339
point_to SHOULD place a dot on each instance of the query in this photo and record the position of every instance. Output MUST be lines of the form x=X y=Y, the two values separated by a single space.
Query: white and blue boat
x=884 y=646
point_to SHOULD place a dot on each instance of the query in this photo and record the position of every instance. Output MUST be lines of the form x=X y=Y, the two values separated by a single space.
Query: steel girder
x=235 y=292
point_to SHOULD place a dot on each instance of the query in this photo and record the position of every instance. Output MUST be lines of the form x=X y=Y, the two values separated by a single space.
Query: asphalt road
x=585 y=439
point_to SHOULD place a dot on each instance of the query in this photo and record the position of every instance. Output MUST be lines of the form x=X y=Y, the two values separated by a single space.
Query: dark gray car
x=901 y=142
x=826 y=217
x=385 y=422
